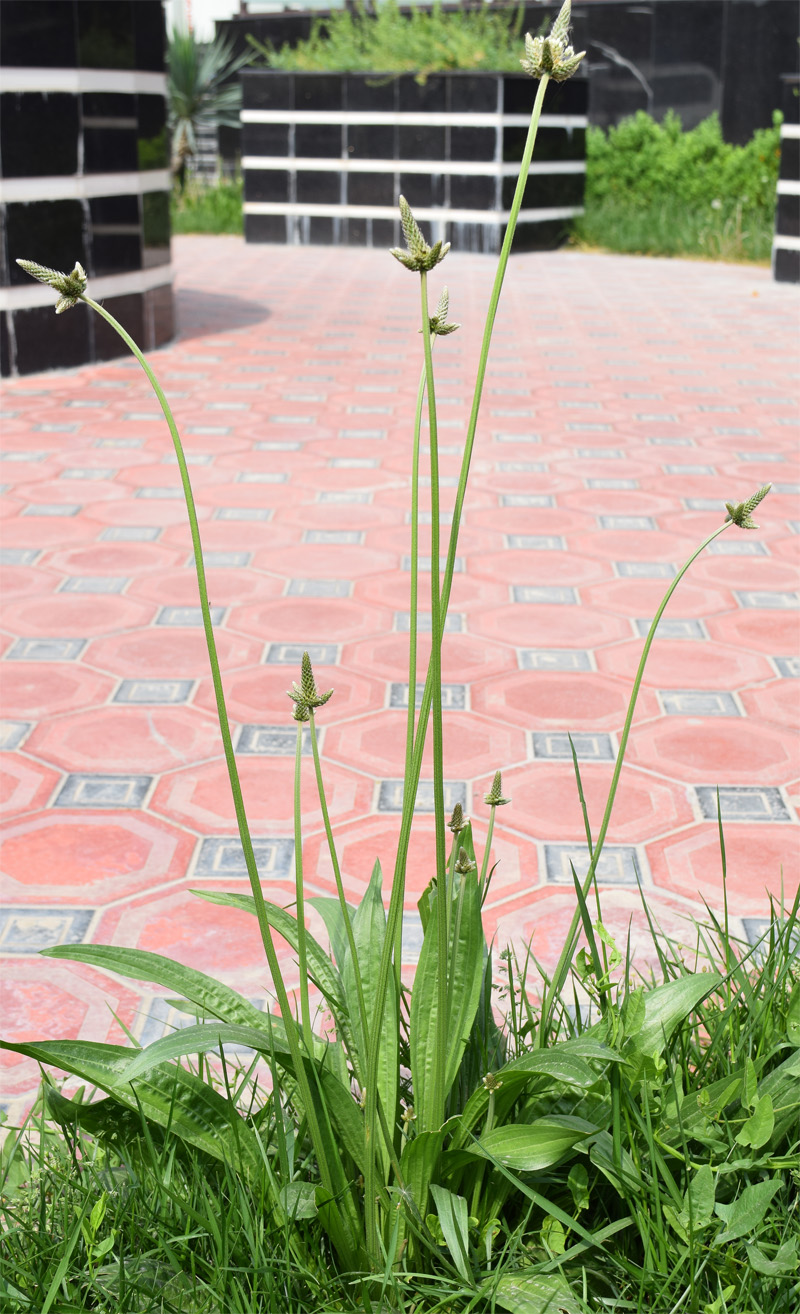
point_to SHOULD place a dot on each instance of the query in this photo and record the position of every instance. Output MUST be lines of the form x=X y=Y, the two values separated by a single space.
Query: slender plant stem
x=302 y=954
x=486 y=851
x=331 y=1170
x=562 y=967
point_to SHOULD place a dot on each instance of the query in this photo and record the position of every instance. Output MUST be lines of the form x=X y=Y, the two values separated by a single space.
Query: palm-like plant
x=201 y=92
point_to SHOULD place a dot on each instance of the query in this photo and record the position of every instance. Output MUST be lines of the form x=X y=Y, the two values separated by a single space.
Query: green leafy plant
x=207 y=208
x=654 y=188
x=202 y=91
x=430 y=1153
x=422 y=41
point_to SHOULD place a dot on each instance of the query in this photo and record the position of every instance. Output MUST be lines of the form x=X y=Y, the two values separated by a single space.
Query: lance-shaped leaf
x=531 y=1147
x=559 y=1067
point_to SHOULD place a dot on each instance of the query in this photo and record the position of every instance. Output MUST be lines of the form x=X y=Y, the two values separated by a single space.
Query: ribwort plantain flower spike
x=494 y=799
x=438 y=321
x=464 y=864
x=552 y=56
x=457 y=822
x=419 y=256
x=306 y=695
x=71 y=287
x=741 y=515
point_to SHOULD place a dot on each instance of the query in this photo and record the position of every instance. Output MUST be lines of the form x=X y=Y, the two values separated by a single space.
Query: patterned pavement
x=626 y=400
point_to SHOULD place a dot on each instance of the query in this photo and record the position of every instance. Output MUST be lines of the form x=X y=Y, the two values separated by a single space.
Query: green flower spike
x=419 y=256
x=438 y=321
x=552 y=56
x=457 y=822
x=494 y=799
x=71 y=287
x=306 y=695
x=464 y=864
x=741 y=514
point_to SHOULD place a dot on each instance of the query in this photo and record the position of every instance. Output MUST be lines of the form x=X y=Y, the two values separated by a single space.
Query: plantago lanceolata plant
x=416 y=1124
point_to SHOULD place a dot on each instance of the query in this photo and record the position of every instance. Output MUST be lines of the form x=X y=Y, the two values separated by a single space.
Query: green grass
x=668 y=228
x=696 y=1210
x=208 y=208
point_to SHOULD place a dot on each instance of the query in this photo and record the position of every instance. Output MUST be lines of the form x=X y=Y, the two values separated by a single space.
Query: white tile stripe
x=788 y=187
x=345 y=164
x=790 y=129
x=786 y=243
x=428 y=214
x=28 y=295
x=74 y=187
x=380 y=118
x=78 y=80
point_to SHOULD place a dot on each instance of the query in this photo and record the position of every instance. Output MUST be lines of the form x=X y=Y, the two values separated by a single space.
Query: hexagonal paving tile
x=128 y=739
x=718 y=749
x=675 y=664
x=170 y=653
x=35 y=689
x=572 y=701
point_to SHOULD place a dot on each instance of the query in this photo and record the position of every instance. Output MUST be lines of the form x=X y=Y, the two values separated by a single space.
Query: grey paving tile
x=45 y=650
x=611 y=483
x=130 y=534
x=598 y=453
x=520 y=467
x=188 y=616
x=85 y=790
x=554 y=659
x=353 y=463
x=742 y=803
x=534 y=594
x=14 y=733
x=154 y=692
x=456 y=622
x=374 y=434
x=761 y=456
x=160 y=494
x=344 y=537
x=527 y=499
x=122 y=443
x=698 y=702
x=689 y=470
x=766 y=600
x=29 y=930
x=590 y=746
x=536 y=542
x=243 y=513
x=454 y=696
x=88 y=473
x=222 y=856
x=425 y=564
x=638 y=523
x=223 y=560
x=704 y=504
x=788 y=667
x=262 y=477
x=271 y=741
x=645 y=569
x=504 y=437
x=32 y=458
x=618 y=864
x=10 y=556
x=287 y=446
x=318 y=588
x=51 y=509
x=674 y=628
x=291 y=654
x=358 y=496
x=738 y=547
x=94 y=584
x=390 y=796
x=671 y=442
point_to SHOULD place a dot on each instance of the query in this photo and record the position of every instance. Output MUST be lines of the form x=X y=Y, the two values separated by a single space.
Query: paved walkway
x=627 y=400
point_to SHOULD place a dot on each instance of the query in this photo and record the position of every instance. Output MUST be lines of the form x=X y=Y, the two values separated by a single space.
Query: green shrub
x=422 y=41
x=653 y=187
x=208 y=208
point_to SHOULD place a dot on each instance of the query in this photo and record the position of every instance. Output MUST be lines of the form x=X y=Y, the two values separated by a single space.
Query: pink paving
x=626 y=400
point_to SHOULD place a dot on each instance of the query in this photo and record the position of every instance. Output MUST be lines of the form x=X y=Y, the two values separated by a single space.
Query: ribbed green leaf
x=209 y=995
x=668 y=1005
x=369 y=933
x=454 y=1221
x=418 y=1164
x=562 y=1069
x=530 y=1147
x=466 y=975
x=330 y=910
x=170 y=1097
x=526 y=1293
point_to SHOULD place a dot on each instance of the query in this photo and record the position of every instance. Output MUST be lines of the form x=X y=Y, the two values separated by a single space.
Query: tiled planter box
x=786 y=242
x=325 y=157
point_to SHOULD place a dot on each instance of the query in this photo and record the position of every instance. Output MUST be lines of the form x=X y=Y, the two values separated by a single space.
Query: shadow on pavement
x=198 y=312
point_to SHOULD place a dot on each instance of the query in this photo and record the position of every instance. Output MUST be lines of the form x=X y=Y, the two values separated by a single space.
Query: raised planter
x=786 y=242
x=325 y=156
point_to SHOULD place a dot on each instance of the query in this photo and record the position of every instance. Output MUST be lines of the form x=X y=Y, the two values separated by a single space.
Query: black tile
x=371 y=141
x=149 y=36
x=48 y=27
x=105 y=34
x=152 y=141
x=355 y=232
x=628 y=29
x=426 y=97
x=46 y=341
x=318 y=188
x=544 y=191
x=264 y=228
x=129 y=310
x=115 y=253
x=787 y=266
x=546 y=236
x=370 y=189
x=365 y=92
x=114 y=209
x=790 y=157
x=5 y=348
x=421 y=143
x=155 y=224
x=109 y=150
x=384 y=232
x=571 y=97
x=109 y=104
x=473 y=192
x=318 y=91
x=38 y=134
x=263 y=89
x=315 y=140
x=265 y=139
x=266 y=185
x=473 y=143
x=787 y=216
x=50 y=232
x=472 y=93
x=320 y=230
x=519 y=93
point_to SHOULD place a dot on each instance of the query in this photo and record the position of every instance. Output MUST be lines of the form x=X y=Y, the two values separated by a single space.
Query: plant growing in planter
x=420 y=1129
